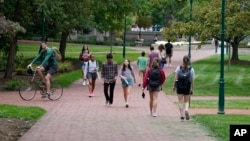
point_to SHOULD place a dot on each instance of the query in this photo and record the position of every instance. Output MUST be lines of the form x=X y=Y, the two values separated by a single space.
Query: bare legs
x=91 y=87
x=126 y=93
x=46 y=79
x=153 y=102
x=183 y=105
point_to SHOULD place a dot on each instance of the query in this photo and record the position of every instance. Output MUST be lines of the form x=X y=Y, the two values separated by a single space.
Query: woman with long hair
x=84 y=58
x=153 y=80
x=127 y=76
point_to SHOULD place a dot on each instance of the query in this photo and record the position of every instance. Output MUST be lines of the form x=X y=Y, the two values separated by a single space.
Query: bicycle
x=29 y=88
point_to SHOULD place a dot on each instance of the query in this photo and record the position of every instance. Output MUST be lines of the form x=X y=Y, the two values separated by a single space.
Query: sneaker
x=154 y=114
x=106 y=103
x=139 y=85
x=126 y=105
x=182 y=119
x=87 y=82
x=187 y=115
x=92 y=94
x=170 y=65
x=84 y=83
x=45 y=95
x=150 y=113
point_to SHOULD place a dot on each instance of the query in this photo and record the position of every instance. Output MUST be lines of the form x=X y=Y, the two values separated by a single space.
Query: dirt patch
x=12 y=129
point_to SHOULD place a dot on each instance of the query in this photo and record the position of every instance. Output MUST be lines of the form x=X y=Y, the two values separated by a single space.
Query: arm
x=145 y=79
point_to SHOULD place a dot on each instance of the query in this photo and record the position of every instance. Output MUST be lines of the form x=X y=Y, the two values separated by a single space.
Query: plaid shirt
x=109 y=71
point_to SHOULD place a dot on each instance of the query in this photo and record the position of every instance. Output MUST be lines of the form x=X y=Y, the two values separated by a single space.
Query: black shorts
x=50 y=69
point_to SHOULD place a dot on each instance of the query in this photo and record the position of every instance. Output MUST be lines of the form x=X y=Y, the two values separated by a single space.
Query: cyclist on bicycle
x=48 y=63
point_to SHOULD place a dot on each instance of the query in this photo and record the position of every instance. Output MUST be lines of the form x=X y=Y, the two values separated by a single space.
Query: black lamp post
x=190 y=18
x=42 y=24
x=221 y=89
x=124 y=38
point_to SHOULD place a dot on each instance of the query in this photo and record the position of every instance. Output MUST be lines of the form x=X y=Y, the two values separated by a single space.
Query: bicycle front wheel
x=27 y=90
x=56 y=90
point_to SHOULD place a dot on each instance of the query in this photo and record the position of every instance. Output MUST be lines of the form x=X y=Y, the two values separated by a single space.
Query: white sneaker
x=154 y=114
x=170 y=65
x=84 y=83
x=87 y=83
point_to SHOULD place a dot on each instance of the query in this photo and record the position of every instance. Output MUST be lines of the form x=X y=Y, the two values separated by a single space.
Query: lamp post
x=190 y=18
x=124 y=37
x=221 y=89
x=42 y=24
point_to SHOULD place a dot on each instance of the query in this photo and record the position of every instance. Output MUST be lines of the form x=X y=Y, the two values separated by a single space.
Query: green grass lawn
x=21 y=112
x=229 y=104
x=208 y=74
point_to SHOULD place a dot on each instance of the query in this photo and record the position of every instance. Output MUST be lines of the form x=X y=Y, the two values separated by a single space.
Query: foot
x=90 y=94
x=84 y=83
x=87 y=82
x=150 y=113
x=182 y=119
x=170 y=65
x=154 y=114
x=187 y=115
x=126 y=105
x=139 y=85
x=106 y=103
x=45 y=95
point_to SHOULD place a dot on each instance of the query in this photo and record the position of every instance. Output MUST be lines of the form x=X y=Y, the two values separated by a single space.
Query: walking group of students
x=151 y=77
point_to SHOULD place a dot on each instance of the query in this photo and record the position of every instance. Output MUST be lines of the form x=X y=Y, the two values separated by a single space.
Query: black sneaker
x=187 y=115
x=45 y=95
x=126 y=105
x=182 y=119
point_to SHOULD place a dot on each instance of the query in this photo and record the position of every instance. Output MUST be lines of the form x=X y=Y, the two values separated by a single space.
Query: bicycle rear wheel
x=27 y=90
x=56 y=90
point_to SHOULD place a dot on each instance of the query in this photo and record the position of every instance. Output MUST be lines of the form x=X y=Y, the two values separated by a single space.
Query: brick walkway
x=76 y=117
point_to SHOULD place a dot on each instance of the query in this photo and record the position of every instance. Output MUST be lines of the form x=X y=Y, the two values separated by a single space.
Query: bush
x=12 y=84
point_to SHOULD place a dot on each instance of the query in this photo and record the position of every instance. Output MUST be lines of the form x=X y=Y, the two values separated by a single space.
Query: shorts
x=128 y=83
x=168 y=55
x=154 y=89
x=92 y=75
x=50 y=69
x=143 y=71
x=183 y=91
x=83 y=64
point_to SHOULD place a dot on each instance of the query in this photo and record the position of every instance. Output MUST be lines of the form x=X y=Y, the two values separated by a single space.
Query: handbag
x=163 y=60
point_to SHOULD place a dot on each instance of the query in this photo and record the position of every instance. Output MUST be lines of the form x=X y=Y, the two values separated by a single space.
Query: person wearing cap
x=109 y=75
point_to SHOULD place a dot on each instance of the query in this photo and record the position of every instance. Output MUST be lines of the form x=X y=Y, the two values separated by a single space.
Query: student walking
x=152 y=54
x=84 y=58
x=153 y=80
x=142 y=62
x=169 y=53
x=128 y=79
x=109 y=75
x=91 y=70
x=184 y=85
x=162 y=55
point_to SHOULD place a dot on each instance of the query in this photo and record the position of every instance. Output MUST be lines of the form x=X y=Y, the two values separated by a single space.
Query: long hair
x=186 y=60
x=155 y=63
x=83 y=48
x=124 y=66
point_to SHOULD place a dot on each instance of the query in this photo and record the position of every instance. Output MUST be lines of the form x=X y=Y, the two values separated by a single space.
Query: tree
x=65 y=16
x=14 y=12
x=206 y=23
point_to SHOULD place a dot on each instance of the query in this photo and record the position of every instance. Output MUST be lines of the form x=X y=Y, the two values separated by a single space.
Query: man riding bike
x=48 y=63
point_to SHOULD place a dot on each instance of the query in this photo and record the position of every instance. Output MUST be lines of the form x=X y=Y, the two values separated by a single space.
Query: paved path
x=76 y=117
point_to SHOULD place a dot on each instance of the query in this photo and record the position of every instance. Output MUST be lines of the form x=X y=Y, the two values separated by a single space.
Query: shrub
x=12 y=84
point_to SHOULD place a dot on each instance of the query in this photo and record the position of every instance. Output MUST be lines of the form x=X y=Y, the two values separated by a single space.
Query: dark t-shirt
x=168 y=47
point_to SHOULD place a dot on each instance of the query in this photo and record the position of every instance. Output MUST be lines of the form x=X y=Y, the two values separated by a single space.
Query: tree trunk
x=63 y=43
x=11 y=58
x=235 y=55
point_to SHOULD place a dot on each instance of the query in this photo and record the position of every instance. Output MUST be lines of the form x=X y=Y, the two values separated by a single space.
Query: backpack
x=154 y=79
x=184 y=79
x=57 y=53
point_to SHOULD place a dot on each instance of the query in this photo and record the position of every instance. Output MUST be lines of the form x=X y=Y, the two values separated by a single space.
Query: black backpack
x=184 y=79
x=154 y=79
